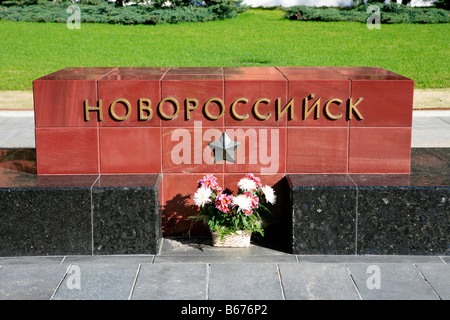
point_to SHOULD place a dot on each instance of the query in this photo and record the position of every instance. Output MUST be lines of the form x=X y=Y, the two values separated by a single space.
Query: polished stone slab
x=403 y=221
x=126 y=217
x=324 y=221
x=41 y=221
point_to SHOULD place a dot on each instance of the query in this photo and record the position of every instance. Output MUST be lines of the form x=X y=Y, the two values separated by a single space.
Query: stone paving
x=194 y=270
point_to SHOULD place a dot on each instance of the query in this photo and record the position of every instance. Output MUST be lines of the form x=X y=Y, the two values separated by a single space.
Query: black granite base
x=76 y=215
x=375 y=214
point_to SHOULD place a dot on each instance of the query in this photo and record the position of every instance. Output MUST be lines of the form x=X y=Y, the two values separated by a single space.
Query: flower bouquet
x=229 y=217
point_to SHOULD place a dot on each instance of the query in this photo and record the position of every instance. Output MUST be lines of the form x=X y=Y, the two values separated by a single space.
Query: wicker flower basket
x=240 y=239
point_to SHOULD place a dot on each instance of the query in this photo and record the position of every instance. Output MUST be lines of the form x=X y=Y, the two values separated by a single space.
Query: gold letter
x=233 y=109
x=188 y=108
x=125 y=103
x=289 y=105
x=255 y=109
x=147 y=108
x=327 y=112
x=222 y=108
x=352 y=108
x=174 y=103
x=87 y=108
x=307 y=112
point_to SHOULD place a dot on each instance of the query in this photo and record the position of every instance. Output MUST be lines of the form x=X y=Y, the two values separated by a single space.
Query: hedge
x=389 y=13
x=105 y=12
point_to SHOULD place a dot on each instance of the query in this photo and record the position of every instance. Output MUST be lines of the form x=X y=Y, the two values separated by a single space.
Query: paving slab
x=201 y=251
x=310 y=281
x=37 y=260
x=30 y=282
x=98 y=281
x=391 y=281
x=369 y=258
x=171 y=282
x=107 y=259
x=438 y=276
x=17 y=129
x=430 y=129
x=224 y=259
x=201 y=246
x=244 y=281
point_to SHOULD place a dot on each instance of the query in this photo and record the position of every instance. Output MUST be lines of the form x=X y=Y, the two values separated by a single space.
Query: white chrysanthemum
x=247 y=185
x=269 y=194
x=242 y=202
x=202 y=196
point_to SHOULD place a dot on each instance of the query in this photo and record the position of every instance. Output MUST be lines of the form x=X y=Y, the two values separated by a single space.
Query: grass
x=257 y=37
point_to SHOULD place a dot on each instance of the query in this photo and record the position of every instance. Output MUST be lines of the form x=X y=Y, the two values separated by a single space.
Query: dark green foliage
x=174 y=3
x=91 y=2
x=389 y=13
x=8 y=3
x=443 y=4
x=100 y=11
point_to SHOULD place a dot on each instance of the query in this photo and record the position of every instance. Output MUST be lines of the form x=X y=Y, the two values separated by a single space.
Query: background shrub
x=390 y=13
x=101 y=11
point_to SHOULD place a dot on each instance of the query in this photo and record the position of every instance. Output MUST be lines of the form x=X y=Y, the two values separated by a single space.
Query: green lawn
x=256 y=37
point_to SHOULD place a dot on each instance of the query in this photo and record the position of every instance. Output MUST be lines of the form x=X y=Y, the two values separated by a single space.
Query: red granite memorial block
x=192 y=98
x=185 y=123
x=380 y=150
x=67 y=150
x=253 y=98
x=308 y=71
x=349 y=71
x=186 y=149
x=128 y=97
x=320 y=97
x=195 y=70
x=130 y=150
x=317 y=150
x=387 y=98
x=251 y=70
x=261 y=150
x=59 y=96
